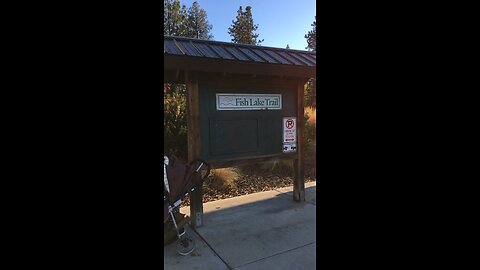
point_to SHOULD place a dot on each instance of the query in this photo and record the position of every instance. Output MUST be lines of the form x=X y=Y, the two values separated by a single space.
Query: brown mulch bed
x=247 y=184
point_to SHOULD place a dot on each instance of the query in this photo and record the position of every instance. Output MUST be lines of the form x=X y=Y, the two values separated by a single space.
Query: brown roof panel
x=171 y=48
x=307 y=58
x=277 y=57
x=291 y=59
x=303 y=60
x=206 y=50
x=222 y=52
x=313 y=57
x=265 y=56
x=251 y=54
x=235 y=52
x=188 y=47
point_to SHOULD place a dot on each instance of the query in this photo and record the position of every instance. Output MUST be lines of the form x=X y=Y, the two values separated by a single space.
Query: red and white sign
x=289 y=129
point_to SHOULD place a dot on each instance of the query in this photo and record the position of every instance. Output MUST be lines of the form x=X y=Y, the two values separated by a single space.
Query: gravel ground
x=247 y=184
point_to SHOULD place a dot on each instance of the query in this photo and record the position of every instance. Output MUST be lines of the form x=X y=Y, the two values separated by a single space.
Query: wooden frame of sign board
x=201 y=64
x=193 y=80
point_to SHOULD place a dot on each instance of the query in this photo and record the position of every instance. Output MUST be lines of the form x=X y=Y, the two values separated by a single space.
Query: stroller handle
x=202 y=163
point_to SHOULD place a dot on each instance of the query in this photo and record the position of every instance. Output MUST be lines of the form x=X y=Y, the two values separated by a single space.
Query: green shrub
x=311 y=93
x=175 y=120
x=222 y=178
x=310 y=138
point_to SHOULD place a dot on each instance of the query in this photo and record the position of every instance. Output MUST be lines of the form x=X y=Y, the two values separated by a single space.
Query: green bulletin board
x=244 y=122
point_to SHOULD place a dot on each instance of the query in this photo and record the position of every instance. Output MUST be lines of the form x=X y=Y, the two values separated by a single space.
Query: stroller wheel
x=185 y=245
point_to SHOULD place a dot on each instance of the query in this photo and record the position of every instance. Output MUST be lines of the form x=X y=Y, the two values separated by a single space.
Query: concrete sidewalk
x=265 y=230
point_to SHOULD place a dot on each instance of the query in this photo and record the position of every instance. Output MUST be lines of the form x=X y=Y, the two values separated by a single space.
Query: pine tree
x=288 y=47
x=311 y=89
x=312 y=37
x=243 y=29
x=197 y=23
x=180 y=22
x=174 y=18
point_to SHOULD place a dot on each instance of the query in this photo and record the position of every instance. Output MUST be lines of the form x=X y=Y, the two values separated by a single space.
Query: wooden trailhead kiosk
x=245 y=104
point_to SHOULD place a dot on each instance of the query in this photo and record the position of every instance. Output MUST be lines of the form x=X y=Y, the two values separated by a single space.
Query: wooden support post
x=298 y=164
x=193 y=125
x=177 y=74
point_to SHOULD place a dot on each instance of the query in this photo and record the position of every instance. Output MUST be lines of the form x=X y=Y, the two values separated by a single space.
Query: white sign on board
x=289 y=130
x=229 y=102
x=289 y=147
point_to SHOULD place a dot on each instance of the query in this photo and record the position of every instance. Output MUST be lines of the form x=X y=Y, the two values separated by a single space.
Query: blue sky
x=280 y=22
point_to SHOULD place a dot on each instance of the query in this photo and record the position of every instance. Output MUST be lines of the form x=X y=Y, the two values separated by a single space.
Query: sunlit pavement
x=265 y=230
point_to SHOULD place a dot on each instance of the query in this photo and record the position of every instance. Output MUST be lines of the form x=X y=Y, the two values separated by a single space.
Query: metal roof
x=209 y=49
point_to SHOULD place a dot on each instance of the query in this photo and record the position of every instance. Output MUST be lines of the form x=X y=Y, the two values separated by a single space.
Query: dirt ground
x=247 y=184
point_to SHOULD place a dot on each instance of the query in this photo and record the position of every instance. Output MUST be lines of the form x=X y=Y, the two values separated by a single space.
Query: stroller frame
x=185 y=244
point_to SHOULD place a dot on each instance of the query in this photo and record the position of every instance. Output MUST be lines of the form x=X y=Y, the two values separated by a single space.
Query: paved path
x=265 y=230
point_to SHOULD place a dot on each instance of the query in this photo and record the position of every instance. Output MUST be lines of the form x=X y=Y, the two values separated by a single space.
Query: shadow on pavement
x=265 y=230
x=248 y=230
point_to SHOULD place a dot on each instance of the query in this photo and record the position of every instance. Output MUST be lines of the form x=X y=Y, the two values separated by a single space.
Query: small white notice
x=289 y=147
x=289 y=130
x=233 y=102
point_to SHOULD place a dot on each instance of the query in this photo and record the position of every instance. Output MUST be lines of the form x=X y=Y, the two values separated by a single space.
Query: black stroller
x=179 y=180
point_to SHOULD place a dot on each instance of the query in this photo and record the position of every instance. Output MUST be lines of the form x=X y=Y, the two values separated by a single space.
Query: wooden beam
x=225 y=163
x=193 y=135
x=236 y=80
x=224 y=78
x=236 y=67
x=177 y=74
x=298 y=164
